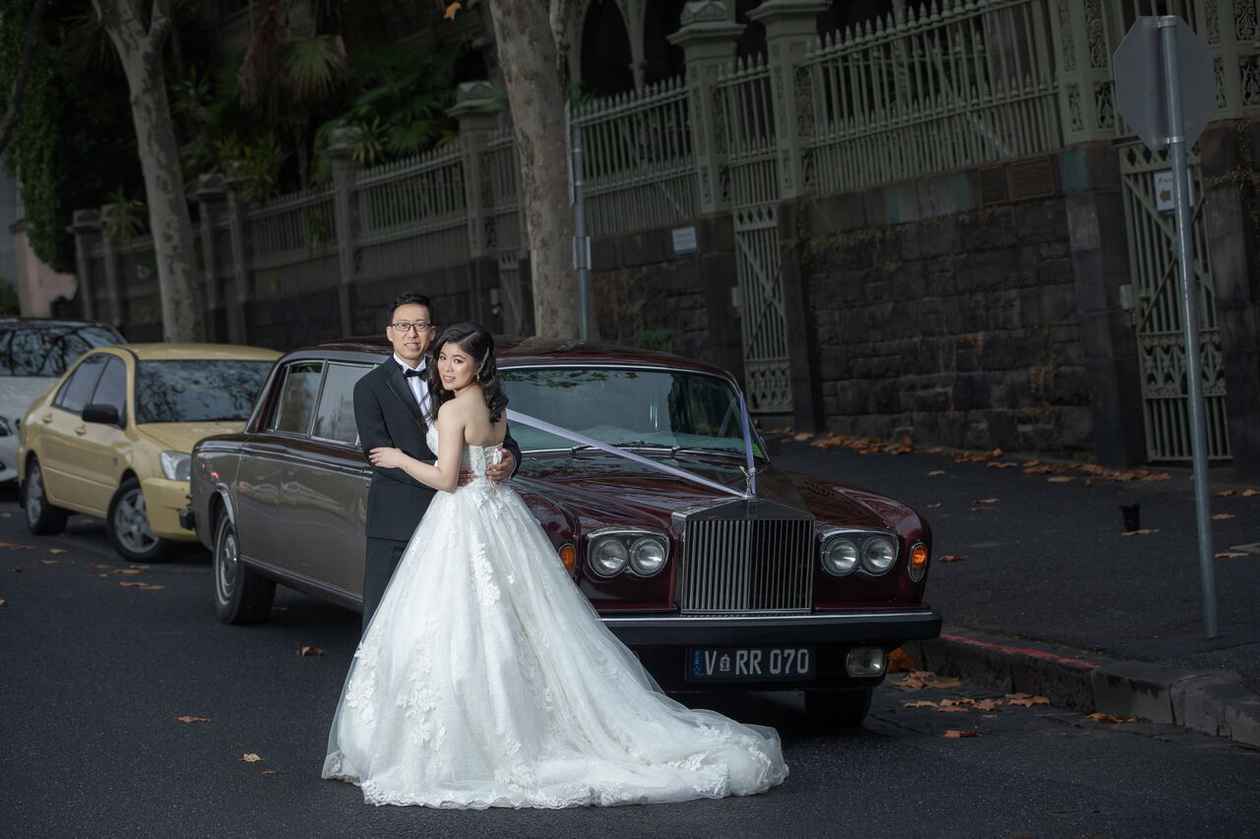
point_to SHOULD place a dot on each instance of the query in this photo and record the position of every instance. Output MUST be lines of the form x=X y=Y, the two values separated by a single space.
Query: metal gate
x=746 y=135
x=1152 y=234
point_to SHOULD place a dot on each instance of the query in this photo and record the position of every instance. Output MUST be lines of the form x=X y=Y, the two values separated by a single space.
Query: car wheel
x=836 y=710
x=41 y=517
x=128 y=526
x=241 y=595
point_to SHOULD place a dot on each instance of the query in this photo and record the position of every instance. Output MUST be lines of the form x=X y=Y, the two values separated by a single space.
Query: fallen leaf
x=956 y=734
x=919 y=679
x=1037 y=470
x=919 y=703
x=952 y=558
x=13 y=546
x=267 y=772
x=1061 y=479
x=1231 y=555
x=1002 y=464
x=1026 y=700
x=988 y=705
x=802 y=437
x=150 y=587
x=936 y=505
x=250 y=757
x=309 y=649
x=899 y=661
x=987 y=500
x=1226 y=493
x=1110 y=718
x=1248 y=493
x=1145 y=531
x=452 y=9
x=131 y=584
x=51 y=561
x=936 y=472
x=1222 y=516
x=130 y=572
x=189 y=718
x=56 y=551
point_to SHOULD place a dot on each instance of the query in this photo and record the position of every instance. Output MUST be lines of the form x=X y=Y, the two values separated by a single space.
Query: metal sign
x=1141 y=75
x=1166 y=90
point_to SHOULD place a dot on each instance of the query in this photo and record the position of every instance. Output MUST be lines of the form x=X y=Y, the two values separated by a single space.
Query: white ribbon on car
x=583 y=440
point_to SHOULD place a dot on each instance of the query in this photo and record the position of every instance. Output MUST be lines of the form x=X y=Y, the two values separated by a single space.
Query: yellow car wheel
x=128 y=526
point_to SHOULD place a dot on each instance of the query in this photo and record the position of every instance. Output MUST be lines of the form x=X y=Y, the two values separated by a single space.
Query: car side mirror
x=102 y=414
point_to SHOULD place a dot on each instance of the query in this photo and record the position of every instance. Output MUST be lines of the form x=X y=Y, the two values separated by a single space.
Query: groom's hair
x=412 y=298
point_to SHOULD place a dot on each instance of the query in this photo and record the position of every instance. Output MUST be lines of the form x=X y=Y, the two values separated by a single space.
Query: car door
x=265 y=526
x=330 y=485
x=102 y=448
x=61 y=430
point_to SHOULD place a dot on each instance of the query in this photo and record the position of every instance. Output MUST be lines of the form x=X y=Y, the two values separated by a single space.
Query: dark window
x=48 y=351
x=297 y=398
x=112 y=388
x=335 y=418
x=76 y=391
x=198 y=390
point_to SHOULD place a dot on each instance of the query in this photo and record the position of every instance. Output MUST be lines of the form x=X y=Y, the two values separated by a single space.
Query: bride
x=486 y=679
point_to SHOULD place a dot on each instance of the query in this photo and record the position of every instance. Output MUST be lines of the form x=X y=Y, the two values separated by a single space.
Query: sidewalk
x=1042 y=558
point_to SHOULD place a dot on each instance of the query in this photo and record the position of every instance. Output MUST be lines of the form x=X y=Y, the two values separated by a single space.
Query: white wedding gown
x=486 y=679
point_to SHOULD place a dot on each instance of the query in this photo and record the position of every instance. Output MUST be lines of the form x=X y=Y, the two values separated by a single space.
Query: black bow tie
x=410 y=373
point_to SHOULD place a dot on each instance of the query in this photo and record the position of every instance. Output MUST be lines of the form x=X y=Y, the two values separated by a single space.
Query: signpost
x=1166 y=90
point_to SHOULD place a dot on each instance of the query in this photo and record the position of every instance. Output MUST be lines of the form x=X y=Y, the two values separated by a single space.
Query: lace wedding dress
x=486 y=679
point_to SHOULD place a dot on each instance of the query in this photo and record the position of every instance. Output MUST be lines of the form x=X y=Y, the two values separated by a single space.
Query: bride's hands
x=387 y=458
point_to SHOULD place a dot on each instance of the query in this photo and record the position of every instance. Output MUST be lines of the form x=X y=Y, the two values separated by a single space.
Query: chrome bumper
x=881 y=628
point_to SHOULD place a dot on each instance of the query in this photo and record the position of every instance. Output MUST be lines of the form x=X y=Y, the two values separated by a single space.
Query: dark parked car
x=805 y=586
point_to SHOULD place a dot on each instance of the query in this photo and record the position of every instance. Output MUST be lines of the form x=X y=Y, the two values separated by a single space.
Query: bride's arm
x=443 y=475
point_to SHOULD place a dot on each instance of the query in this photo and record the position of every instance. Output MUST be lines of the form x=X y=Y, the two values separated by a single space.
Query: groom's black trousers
x=379 y=563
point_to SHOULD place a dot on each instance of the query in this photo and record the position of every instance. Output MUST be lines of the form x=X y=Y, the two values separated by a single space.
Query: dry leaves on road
x=958 y=734
x=14 y=546
x=936 y=472
x=1110 y=718
x=1222 y=517
x=1026 y=700
x=963 y=703
x=1245 y=493
x=1061 y=479
x=250 y=757
x=1145 y=531
x=899 y=661
x=920 y=679
x=309 y=649
x=987 y=500
x=140 y=585
x=191 y=718
x=1002 y=464
x=952 y=558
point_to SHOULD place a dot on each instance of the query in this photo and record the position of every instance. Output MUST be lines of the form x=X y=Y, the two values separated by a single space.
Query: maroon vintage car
x=805 y=585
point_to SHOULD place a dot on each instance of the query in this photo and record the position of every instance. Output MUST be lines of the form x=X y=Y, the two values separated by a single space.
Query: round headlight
x=878 y=554
x=647 y=556
x=609 y=557
x=839 y=557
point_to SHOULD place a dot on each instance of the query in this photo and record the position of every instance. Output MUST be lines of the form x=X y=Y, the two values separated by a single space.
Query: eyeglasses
x=408 y=325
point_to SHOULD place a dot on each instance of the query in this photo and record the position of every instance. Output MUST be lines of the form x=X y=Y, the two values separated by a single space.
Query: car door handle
x=81 y=430
x=46 y=418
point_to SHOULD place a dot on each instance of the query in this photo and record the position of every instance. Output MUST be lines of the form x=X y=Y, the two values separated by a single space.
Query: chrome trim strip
x=287 y=577
x=812 y=619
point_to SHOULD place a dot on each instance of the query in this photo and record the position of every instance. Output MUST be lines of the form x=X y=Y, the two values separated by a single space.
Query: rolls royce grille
x=748 y=564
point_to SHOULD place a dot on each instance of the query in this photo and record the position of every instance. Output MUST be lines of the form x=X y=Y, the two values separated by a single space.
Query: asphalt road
x=94 y=675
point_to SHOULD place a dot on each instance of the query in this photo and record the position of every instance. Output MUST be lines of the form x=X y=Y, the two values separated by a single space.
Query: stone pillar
x=1097 y=234
x=113 y=294
x=86 y=228
x=708 y=38
x=1229 y=156
x=210 y=197
x=791 y=28
x=477 y=109
x=242 y=285
x=345 y=171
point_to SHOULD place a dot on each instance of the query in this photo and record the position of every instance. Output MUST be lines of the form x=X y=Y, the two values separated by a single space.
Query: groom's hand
x=502 y=470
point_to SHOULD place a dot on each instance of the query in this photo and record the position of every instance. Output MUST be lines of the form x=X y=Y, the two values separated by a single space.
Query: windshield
x=47 y=351
x=627 y=407
x=198 y=391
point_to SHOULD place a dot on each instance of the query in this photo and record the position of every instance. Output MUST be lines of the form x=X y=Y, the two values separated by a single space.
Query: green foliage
x=256 y=164
x=124 y=218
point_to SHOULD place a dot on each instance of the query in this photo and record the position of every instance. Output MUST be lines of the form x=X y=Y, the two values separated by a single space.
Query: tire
x=837 y=710
x=42 y=518
x=128 y=526
x=241 y=595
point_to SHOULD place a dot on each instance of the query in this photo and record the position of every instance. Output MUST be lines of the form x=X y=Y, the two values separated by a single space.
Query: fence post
x=1083 y=56
x=708 y=39
x=345 y=171
x=791 y=29
x=238 y=324
x=477 y=109
x=86 y=223
x=110 y=258
x=210 y=196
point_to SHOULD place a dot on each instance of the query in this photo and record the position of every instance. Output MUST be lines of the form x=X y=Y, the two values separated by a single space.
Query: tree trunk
x=169 y=222
x=527 y=55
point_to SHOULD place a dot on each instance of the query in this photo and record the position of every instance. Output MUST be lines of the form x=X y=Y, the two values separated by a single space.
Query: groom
x=391 y=408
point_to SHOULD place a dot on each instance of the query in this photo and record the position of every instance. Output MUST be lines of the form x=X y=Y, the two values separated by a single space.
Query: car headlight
x=839 y=556
x=608 y=556
x=176 y=466
x=648 y=555
x=878 y=554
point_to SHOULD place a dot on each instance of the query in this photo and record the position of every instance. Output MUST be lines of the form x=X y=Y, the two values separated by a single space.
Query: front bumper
x=164 y=500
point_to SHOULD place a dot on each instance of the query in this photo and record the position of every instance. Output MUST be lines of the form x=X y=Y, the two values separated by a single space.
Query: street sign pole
x=1169 y=31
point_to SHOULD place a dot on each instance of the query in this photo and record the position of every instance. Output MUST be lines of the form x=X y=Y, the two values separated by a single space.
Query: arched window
x=605 y=50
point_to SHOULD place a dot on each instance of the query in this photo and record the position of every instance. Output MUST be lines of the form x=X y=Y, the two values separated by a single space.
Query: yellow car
x=113 y=438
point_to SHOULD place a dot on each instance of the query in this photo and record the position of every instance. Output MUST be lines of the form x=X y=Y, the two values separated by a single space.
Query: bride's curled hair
x=478 y=343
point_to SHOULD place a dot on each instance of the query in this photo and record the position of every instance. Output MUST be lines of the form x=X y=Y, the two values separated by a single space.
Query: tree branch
x=14 y=110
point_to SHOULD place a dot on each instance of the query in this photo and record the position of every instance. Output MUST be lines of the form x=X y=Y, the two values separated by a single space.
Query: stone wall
x=960 y=329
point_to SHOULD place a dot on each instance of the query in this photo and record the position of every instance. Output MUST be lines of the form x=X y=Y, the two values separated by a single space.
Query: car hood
x=602 y=489
x=18 y=393
x=182 y=436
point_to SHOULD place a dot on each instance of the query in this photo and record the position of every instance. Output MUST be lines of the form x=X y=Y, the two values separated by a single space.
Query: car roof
x=514 y=351
x=181 y=352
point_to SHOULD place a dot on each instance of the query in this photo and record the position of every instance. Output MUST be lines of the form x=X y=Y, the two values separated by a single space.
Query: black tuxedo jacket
x=388 y=415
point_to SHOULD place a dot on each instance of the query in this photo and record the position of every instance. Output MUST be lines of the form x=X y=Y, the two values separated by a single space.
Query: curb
x=1215 y=702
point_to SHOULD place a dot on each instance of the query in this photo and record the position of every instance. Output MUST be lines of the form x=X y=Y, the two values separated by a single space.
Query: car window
x=77 y=389
x=297 y=397
x=335 y=418
x=48 y=351
x=112 y=388
x=198 y=390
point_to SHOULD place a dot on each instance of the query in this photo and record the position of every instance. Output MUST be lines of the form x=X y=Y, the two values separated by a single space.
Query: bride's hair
x=479 y=344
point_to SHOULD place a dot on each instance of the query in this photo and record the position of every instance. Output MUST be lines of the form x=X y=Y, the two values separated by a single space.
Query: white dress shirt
x=419 y=387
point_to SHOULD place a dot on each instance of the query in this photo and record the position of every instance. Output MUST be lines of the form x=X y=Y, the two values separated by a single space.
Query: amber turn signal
x=918 y=561
x=568 y=555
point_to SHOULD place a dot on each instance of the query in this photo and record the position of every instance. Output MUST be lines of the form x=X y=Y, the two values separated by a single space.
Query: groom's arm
x=370 y=421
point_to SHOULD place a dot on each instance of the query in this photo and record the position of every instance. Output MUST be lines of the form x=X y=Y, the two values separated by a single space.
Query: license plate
x=750 y=664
